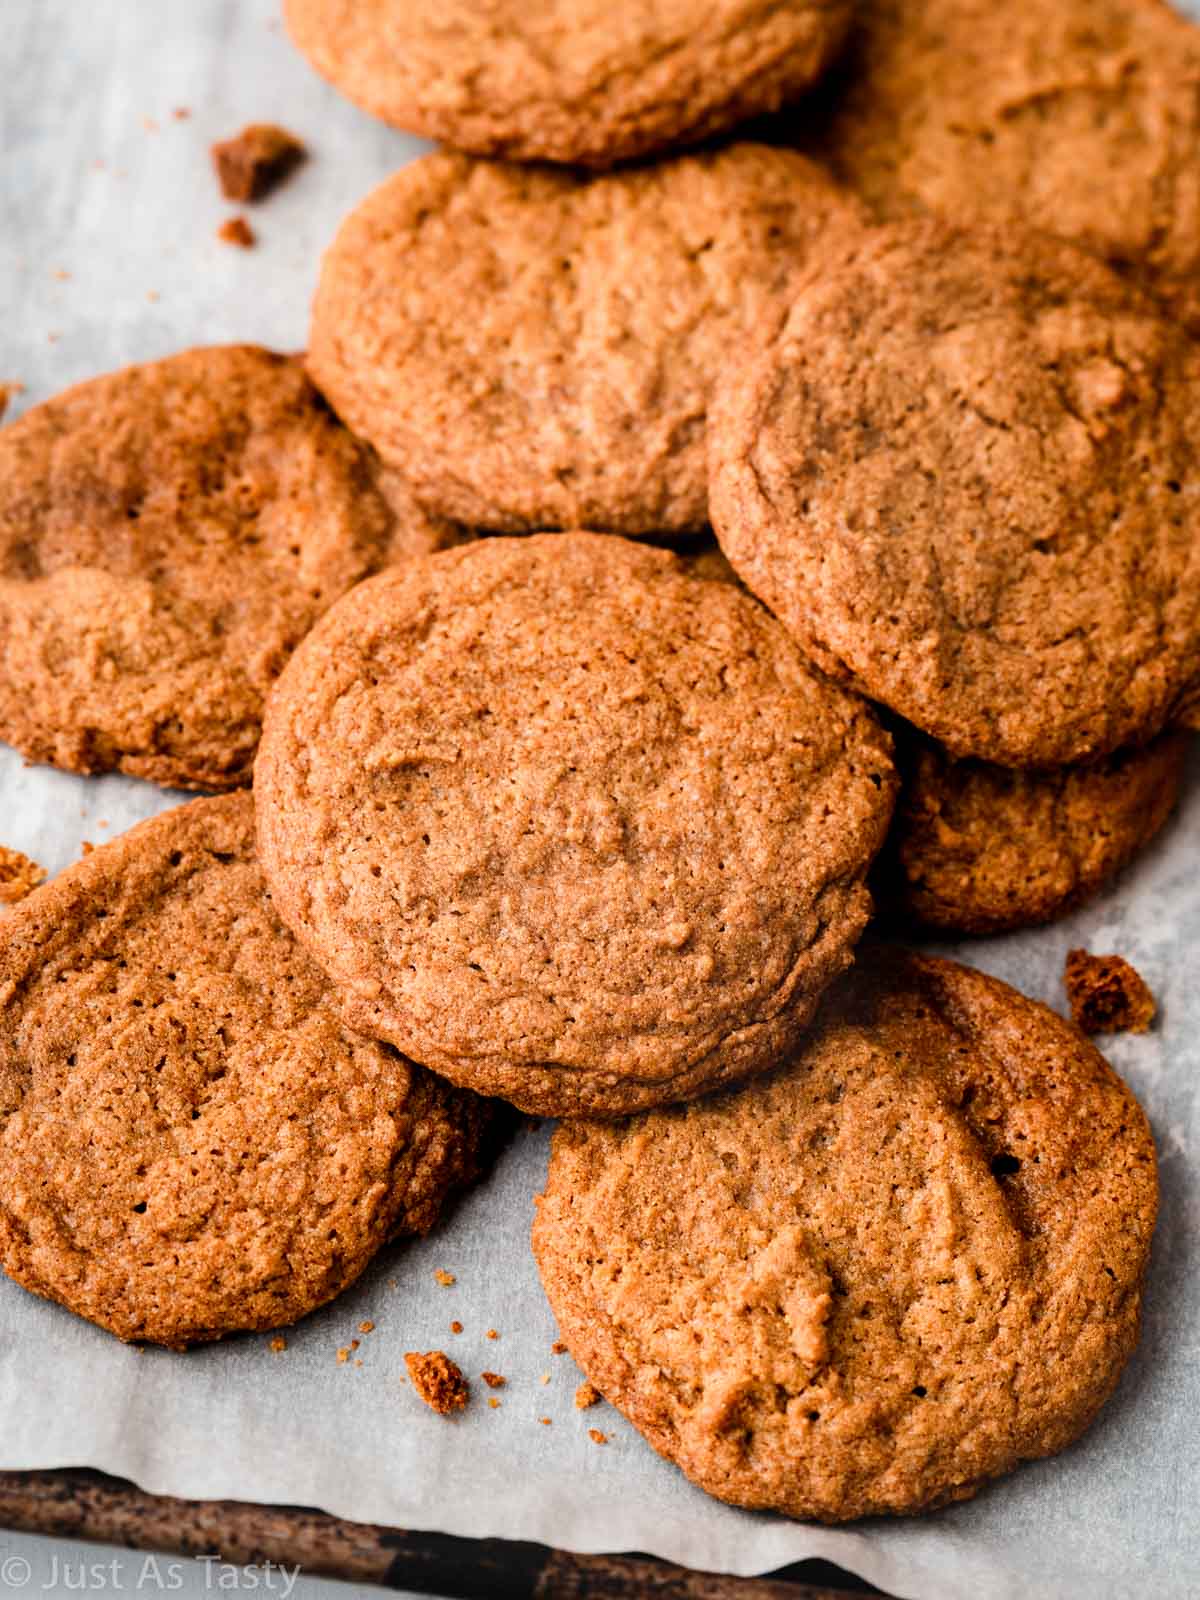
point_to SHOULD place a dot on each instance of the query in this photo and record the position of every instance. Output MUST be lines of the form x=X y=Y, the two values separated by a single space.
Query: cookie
x=438 y=1381
x=583 y=81
x=168 y=534
x=1078 y=116
x=962 y=470
x=19 y=876
x=567 y=824
x=1106 y=994
x=256 y=161
x=982 y=849
x=191 y=1144
x=535 y=349
x=871 y=1281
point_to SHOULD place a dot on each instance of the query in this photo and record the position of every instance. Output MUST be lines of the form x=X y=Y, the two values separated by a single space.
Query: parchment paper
x=102 y=182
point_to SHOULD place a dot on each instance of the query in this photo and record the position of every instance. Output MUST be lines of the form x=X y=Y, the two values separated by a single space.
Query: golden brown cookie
x=536 y=349
x=191 y=1144
x=1078 y=116
x=585 y=81
x=1106 y=994
x=982 y=849
x=168 y=534
x=871 y=1281
x=567 y=824
x=962 y=470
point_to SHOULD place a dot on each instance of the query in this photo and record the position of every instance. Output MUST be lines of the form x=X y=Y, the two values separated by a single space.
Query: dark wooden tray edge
x=79 y=1503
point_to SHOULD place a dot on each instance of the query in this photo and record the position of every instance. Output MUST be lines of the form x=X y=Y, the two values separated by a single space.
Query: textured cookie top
x=536 y=349
x=1078 y=116
x=190 y=1142
x=590 y=81
x=979 y=849
x=874 y=1279
x=168 y=533
x=567 y=824
x=963 y=471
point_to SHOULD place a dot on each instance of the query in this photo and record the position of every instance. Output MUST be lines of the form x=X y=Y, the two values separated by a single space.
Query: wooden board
x=81 y=1504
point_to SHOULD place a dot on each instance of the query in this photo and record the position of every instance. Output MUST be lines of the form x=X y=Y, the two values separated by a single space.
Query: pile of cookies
x=560 y=803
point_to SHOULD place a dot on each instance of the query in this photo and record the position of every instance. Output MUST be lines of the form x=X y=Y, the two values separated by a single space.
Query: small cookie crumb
x=366 y=1327
x=558 y=1348
x=545 y=1421
x=256 y=161
x=438 y=1380
x=19 y=876
x=236 y=230
x=586 y=1395
x=494 y=1380
x=545 y=1378
x=456 y=1326
x=278 y=1345
x=494 y=1403
x=597 y=1437
x=492 y=1334
x=181 y=113
x=445 y=1278
x=1107 y=995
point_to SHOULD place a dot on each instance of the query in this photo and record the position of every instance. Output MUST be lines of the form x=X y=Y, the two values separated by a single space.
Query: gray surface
x=299 y=1428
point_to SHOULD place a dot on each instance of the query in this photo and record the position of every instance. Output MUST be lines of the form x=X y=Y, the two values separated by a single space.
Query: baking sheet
x=108 y=254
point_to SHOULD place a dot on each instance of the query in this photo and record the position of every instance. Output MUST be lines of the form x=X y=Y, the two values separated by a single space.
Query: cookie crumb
x=545 y=1378
x=343 y=1355
x=597 y=1437
x=444 y=1278
x=278 y=1345
x=366 y=1327
x=558 y=1348
x=545 y=1421
x=492 y=1334
x=586 y=1395
x=256 y=161
x=1107 y=995
x=494 y=1403
x=237 y=231
x=494 y=1380
x=181 y=113
x=19 y=876
x=456 y=1326
x=438 y=1381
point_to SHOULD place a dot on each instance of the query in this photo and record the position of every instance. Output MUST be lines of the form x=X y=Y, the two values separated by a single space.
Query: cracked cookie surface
x=191 y=1143
x=962 y=470
x=584 y=81
x=168 y=534
x=870 y=1281
x=568 y=824
x=981 y=849
x=536 y=349
x=1078 y=116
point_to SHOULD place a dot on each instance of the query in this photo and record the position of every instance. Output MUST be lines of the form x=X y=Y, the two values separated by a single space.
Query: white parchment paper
x=108 y=254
